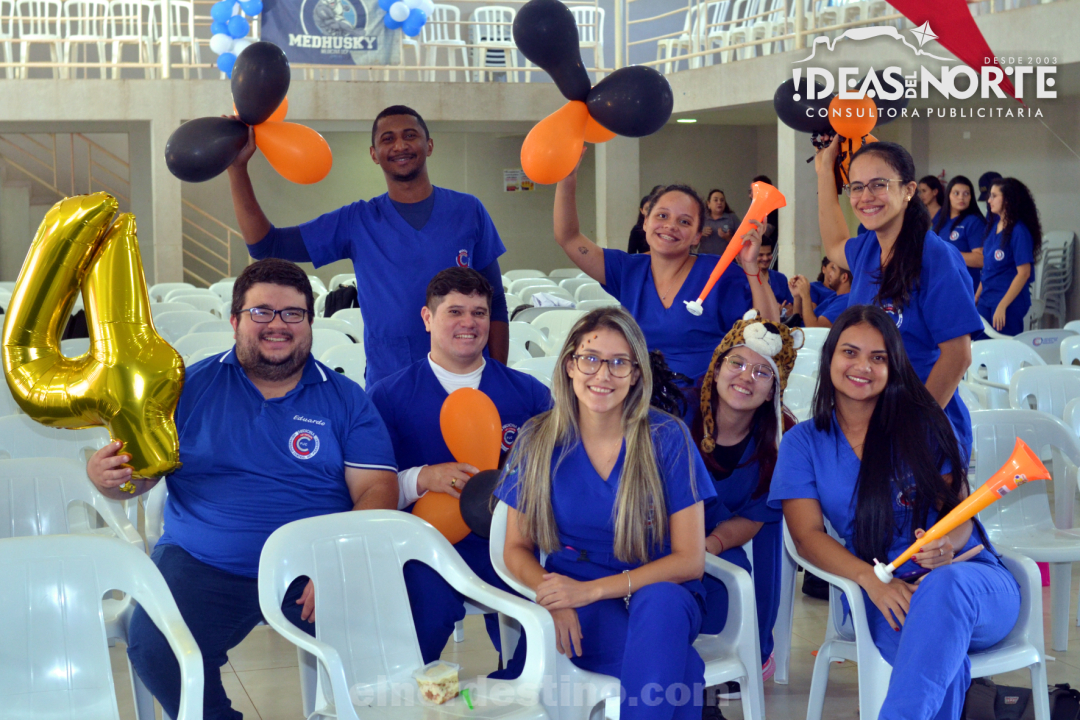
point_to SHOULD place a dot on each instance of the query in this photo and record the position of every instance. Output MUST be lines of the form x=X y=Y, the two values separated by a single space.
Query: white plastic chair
x=183 y=292
x=208 y=303
x=993 y=363
x=590 y=27
x=56 y=654
x=807 y=363
x=215 y=342
x=571 y=285
x=588 y=305
x=516 y=285
x=850 y=639
x=814 y=338
x=1046 y=342
x=559 y=273
x=23 y=437
x=1070 y=351
x=541 y=368
x=1021 y=521
x=353 y=316
x=349 y=360
x=685 y=43
x=969 y=397
x=40 y=22
x=443 y=30
x=8 y=406
x=85 y=22
x=1046 y=388
x=320 y=305
x=491 y=34
x=513 y=275
x=74 y=347
x=1071 y=416
x=765 y=27
x=517 y=352
x=206 y=326
x=223 y=289
x=355 y=560
x=557 y=325
x=160 y=290
x=799 y=395
x=7 y=35
x=592 y=291
x=733 y=655
x=181 y=32
x=1073 y=325
x=345 y=278
x=317 y=285
x=529 y=293
x=528 y=335
x=174 y=325
x=160 y=308
x=341 y=326
x=323 y=340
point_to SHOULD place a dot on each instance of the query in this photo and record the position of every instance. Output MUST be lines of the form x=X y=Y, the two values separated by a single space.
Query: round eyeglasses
x=760 y=372
x=266 y=315
x=879 y=187
x=590 y=365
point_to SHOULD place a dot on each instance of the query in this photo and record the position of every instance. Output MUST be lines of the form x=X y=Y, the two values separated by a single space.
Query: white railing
x=207 y=246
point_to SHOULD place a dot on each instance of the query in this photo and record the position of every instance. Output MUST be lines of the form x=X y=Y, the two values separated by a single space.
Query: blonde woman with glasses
x=613 y=492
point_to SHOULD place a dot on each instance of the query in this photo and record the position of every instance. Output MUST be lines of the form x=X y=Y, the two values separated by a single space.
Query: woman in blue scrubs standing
x=877 y=462
x=737 y=429
x=900 y=265
x=962 y=224
x=654 y=287
x=613 y=492
x=1011 y=248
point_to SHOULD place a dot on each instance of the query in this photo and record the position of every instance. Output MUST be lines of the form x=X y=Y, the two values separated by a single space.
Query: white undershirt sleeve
x=408 y=492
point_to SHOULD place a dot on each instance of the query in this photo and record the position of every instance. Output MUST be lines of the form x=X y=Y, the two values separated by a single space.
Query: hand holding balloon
x=450 y=478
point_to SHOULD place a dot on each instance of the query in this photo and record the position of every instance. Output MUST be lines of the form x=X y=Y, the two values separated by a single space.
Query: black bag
x=987 y=701
x=339 y=299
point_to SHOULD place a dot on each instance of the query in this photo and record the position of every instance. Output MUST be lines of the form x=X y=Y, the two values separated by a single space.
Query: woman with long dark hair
x=612 y=492
x=720 y=223
x=961 y=222
x=900 y=265
x=880 y=462
x=1012 y=246
x=932 y=195
x=737 y=429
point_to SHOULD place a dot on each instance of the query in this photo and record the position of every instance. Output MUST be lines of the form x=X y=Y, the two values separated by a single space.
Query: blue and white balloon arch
x=230 y=29
x=409 y=15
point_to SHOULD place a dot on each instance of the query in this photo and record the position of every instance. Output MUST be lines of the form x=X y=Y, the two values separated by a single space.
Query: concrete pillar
x=800 y=241
x=618 y=167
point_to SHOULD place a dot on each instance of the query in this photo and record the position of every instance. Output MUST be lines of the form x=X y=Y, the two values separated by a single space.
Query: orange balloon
x=444 y=513
x=552 y=148
x=595 y=132
x=297 y=152
x=852 y=118
x=471 y=428
x=280 y=113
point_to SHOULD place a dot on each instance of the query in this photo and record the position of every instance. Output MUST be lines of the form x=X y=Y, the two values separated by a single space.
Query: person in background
x=720 y=224
x=772 y=222
x=880 y=461
x=396 y=241
x=777 y=280
x=986 y=181
x=961 y=222
x=637 y=243
x=1010 y=251
x=818 y=289
x=932 y=195
x=824 y=314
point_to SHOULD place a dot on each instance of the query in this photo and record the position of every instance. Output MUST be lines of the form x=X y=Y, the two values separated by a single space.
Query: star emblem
x=923 y=34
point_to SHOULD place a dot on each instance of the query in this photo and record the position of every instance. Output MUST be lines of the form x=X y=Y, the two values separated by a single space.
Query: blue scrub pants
x=648 y=647
x=766 y=575
x=956 y=609
x=1014 y=315
x=220 y=609
x=437 y=607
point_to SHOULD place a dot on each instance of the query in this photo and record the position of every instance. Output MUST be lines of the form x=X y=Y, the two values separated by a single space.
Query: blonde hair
x=640 y=513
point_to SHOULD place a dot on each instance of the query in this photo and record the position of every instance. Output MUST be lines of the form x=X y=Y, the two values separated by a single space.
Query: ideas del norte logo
x=949 y=82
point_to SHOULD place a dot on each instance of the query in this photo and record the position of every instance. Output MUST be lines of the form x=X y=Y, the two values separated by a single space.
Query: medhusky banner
x=331 y=32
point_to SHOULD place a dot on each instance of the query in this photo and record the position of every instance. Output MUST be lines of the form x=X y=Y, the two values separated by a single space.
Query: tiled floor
x=263 y=683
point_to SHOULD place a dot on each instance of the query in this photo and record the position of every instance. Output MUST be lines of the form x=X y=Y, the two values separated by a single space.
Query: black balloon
x=204 y=148
x=633 y=101
x=260 y=81
x=802 y=115
x=476 y=506
x=545 y=32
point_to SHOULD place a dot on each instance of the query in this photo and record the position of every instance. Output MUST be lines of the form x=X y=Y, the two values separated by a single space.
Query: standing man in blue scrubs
x=457 y=315
x=268 y=435
x=396 y=241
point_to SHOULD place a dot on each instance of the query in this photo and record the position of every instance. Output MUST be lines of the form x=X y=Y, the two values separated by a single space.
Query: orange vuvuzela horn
x=1022 y=466
x=766 y=199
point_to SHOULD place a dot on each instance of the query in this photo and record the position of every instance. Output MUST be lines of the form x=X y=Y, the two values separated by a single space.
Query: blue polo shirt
x=966 y=234
x=251 y=465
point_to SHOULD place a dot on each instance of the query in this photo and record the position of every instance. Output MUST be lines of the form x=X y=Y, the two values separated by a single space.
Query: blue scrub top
x=832 y=307
x=584 y=503
x=820 y=465
x=999 y=267
x=779 y=283
x=394 y=263
x=940 y=309
x=687 y=341
x=251 y=465
x=410 y=402
x=966 y=235
x=819 y=292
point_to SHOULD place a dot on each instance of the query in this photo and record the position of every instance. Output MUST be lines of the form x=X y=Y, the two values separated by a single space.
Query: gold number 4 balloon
x=130 y=380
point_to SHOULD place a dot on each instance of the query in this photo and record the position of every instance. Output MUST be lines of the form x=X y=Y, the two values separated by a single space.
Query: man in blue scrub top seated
x=267 y=436
x=457 y=315
x=837 y=279
x=396 y=242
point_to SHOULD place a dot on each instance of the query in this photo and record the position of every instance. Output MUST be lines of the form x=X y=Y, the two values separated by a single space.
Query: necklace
x=673 y=281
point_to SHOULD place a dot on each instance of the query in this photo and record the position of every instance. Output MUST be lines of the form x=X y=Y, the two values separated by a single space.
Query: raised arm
x=582 y=251
x=764 y=299
x=249 y=214
x=834 y=229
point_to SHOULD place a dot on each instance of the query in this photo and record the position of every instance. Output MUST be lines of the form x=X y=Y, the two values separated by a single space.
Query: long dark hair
x=661 y=190
x=946 y=207
x=899 y=278
x=763 y=429
x=908 y=434
x=934 y=184
x=1019 y=207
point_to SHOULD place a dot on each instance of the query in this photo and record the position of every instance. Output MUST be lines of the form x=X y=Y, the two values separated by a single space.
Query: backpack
x=987 y=701
x=341 y=297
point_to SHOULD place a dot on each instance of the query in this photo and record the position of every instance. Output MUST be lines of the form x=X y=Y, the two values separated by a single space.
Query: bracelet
x=629 y=588
x=719 y=539
x=757 y=275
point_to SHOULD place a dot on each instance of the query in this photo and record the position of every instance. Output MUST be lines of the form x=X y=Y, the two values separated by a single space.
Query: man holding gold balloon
x=396 y=241
x=411 y=402
x=267 y=436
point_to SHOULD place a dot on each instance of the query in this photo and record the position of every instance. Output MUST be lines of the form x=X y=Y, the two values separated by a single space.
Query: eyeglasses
x=266 y=315
x=877 y=186
x=618 y=367
x=758 y=372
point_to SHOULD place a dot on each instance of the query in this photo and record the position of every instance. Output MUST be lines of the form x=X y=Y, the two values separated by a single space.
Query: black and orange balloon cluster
x=634 y=101
x=204 y=148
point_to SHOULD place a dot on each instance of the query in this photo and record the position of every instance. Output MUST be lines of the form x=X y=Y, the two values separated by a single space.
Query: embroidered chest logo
x=954 y=235
x=999 y=254
x=463 y=258
x=509 y=435
x=304 y=444
x=894 y=312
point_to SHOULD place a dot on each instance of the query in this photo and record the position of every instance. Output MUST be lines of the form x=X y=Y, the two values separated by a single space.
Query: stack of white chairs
x=739 y=29
x=772 y=18
x=1053 y=276
x=492 y=41
x=685 y=43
